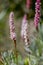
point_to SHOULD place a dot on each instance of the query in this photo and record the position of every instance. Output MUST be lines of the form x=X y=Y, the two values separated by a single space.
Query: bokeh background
x=19 y=8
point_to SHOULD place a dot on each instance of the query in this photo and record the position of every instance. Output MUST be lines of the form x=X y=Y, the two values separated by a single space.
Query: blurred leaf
x=2 y=14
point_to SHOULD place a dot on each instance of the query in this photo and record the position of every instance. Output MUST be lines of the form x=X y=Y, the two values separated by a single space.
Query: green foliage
x=9 y=58
x=1 y=63
x=36 y=48
x=26 y=61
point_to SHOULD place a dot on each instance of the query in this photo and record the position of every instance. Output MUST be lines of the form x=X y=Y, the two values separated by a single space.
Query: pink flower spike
x=37 y=13
x=38 y=0
x=22 y=27
x=12 y=27
x=28 y=3
x=24 y=30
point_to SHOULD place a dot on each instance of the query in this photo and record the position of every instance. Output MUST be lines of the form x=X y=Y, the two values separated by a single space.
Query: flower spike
x=12 y=27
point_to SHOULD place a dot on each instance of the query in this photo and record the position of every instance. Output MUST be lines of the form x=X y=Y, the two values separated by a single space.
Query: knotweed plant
x=12 y=30
x=24 y=34
x=28 y=7
x=24 y=27
x=28 y=3
x=12 y=27
x=24 y=30
x=37 y=13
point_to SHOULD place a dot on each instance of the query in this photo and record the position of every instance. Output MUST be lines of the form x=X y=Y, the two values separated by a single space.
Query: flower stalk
x=37 y=14
x=24 y=30
x=12 y=28
x=12 y=31
x=28 y=3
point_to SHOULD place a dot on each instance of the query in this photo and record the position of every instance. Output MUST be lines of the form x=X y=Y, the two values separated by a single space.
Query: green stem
x=16 y=54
